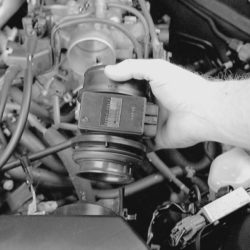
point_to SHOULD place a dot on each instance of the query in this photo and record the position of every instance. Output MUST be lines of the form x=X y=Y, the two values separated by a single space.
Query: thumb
x=132 y=68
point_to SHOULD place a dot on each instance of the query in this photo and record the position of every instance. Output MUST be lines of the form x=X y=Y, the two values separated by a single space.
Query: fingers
x=133 y=68
x=179 y=131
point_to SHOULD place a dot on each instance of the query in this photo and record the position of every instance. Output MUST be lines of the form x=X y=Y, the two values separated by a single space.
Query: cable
x=209 y=21
x=157 y=48
x=8 y=79
x=28 y=81
x=38 y=155
x=141 y=18
x=96 y=20
x=198 y=237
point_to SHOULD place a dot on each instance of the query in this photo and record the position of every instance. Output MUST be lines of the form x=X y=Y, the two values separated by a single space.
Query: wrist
x=207 y=109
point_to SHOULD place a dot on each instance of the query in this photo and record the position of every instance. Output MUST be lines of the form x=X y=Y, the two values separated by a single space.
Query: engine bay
x=78 y=149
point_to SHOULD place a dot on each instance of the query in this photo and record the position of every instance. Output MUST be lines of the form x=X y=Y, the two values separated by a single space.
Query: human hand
x=182 y=99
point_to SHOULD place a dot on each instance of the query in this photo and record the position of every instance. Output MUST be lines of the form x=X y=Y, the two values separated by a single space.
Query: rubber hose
x=200 y=183
x=35 y=108
x=10 y=76
x=209 y=21
x=67 y=117
x=136 y=186
x=28 y=80
x=33 y=144
x=166 y=172
x=180 y=160
x=39 y=155
x=41 y=177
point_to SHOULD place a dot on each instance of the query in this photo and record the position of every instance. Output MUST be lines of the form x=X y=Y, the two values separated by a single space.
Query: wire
x=198 y=237
x=141 y=18
x=8 y=79
x=209 y=21
x=38 y=155
x=157 y=48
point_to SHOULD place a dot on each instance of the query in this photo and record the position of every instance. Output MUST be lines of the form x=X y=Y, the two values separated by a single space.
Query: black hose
x=209 y=21
x=37 y=156
x=34 y=144
x=9 y=77
x=180 y=160
x=28 y=81
x=137 y=186
x=35 y=108
x=41 y=177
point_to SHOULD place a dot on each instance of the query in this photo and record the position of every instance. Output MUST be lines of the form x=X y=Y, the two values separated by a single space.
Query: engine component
x=111 y=121
x=230 y=169
x=186 y=229
x=93 y=46
x=73 y=135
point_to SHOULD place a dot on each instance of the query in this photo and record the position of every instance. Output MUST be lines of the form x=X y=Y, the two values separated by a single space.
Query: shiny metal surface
x=88 y=48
